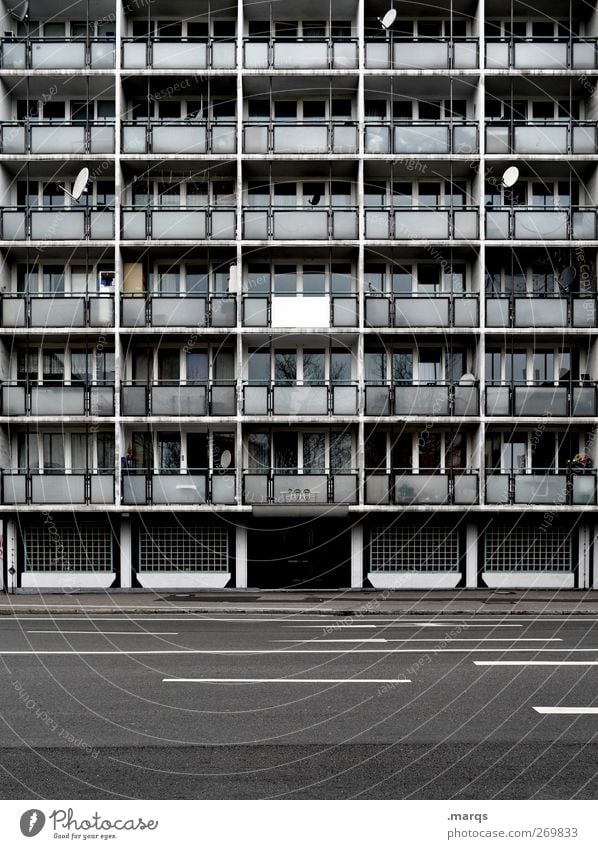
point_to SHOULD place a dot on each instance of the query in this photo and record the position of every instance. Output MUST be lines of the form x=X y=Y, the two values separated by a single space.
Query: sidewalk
x=331 y=603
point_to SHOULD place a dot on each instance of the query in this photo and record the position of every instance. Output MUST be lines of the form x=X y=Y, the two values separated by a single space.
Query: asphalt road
x=298 y=707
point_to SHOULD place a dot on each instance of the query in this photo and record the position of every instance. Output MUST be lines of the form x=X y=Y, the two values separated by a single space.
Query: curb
x=302 y=611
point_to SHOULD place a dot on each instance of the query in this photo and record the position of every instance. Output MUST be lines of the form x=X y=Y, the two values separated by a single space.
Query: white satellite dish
x=225 y=459
x=79 y=186
x=510 y=177
x=567 y=275
x=20 y=11
x=389 y=18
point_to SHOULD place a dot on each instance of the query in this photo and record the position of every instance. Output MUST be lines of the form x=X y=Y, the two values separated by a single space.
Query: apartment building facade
x=298 y=331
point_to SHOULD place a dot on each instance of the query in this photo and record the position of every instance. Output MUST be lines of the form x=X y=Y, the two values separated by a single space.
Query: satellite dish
x=80 y=184
x=389 y=18
x=567 y=277
x=510 y=177
x=225 y=459
x=315 y=200
x=20 y=11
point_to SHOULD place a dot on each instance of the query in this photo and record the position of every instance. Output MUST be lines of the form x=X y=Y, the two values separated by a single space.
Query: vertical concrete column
x=357 y=565
x=10 y=543
x=126 y=554
x=471 y=555
x=584 y=560
x=241 y=556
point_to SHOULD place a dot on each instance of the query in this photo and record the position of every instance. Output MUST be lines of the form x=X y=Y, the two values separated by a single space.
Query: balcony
x=284 y=400
x=541 y=137
x=541 y=54
x=178 y=223
x=414 y=137
x=422 y=223
x=301 y=138
x=57 y=311
x=164 y=54
x=67 y=138
x=20 y=398
x=310 y=54
x=183 y=137
x=421 y=54
x=421 y=399
x=404 y=488
x=535 y=223
x=299 y=224
x=540 y=400
x=293 y=311
x=171 y=488
x=178 y=311
x=72 y=488
x=64 y=224
x=299 y=489
x=406 y=311
x=541 y=487
x=178 y=400
x=43 y=54
x=546 y=311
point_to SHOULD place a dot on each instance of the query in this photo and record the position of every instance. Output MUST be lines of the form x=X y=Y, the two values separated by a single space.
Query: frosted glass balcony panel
x=13 y=139
x=421 y=489
x=102 y=489
x=465 y=224
x=465 y=54
x=256 y=489
x=299 y=312
x=223 y=225
x=13 y=225
x=497 y=225
x=583 y=225
x=102 y=54
x=256 y=54
x=584 y=54
x=416 y=224
x=345 y=489
x=584 y=139
x=377 y=489
x=223 y=312
x=224 y=139
x=134 y=139
x=540 y=312
x=541 y=225
x=344 y=139
x=497 y=312
x=13 y=400
x=540 y=54
x=344 y=400
x=13 y=56
x=466 y=312
x=421 y=54
x=344 y=224
x=377 y=139
x=15 y=489
x=177 y=139
x=344 y=55
x=57 y=55
x=497 y=139
x=102 y=139
x=300 y=224
x=134 y=55
x=223 y=401
x=583 y=489
x=377 y=54
x=344 y=312
x=583 y=401
x=300 y=400
x=293 y=54
x=256 y=139
x=57 y=401
x=179 y=54
x=134 y=224
x=540 y=489
x=178 y=312
x=377 y=224
x=466 y=401
x=585 y=313
x=428 y=139
x=179 y=401
x=255 y=224
x=133 y=312
x=300 y=139
x=178 y=489
x=58 y=225
x=466 y=489
x=134 y=401
x=497 y=489
x=300 y=489
x=540 y=401
x=223 y=489
x=179 y=224
x=223 y=55
x=255 y=312
x=101 y=312
x=377 y=312
x=57 y=312
x=497 y=54
x=421 y=401
x=133 y=489
x=101 y=224
x=255 y=401
x=377 y=401
x=58 y=489
x=101 y=401
x=465 y=139
x=422 y=312
x=498 y=401
x=540 y=139
x=14 y=312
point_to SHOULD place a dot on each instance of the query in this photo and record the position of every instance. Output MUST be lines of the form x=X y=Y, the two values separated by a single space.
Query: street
x=257 y=706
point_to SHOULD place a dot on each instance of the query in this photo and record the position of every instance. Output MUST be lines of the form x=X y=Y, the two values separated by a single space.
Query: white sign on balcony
x=301 y=312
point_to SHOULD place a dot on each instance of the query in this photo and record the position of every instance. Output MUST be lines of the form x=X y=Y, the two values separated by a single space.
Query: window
x=401 y=452
x=53 y=279
x=285 y=367
x=340 y=367
x=314 y=453
x=340 y=452
x=285 y=194
x=258 y=366
x=285 y=452
x=428 y=279
x=402 y=367
x=53 y=450
x=340 y=278
x=314 y=366
x=285 y=280
x=375 y=451
x=27 y=365
x=80 y=367
x=375 y=367
x=105 y=367
x=258 y=449
x=169 y=279
x=258 y=279
x=169 y=452
x=430 y=452
x=105 y=444
x=430 y=365
x=197 y=366
x=53 y=365
x=402 y=279
x=168 y=366
x=27 y=452
x=197 y=280
x=314 y=280
x=285 y=110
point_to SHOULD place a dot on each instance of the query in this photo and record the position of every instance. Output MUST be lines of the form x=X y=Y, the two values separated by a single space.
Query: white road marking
x=107 y=633
x=429 y=639
x=567 y=710
x=406 y=625
x=536 y=662
x=270 y=651
x=287 y=680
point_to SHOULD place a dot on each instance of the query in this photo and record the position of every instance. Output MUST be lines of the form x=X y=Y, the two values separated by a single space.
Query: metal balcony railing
x=172 y=486
x=418 y=398
x=301 y=137
x=57 y=310
x=306 y=53
x=58 y=486
x=549 y=310
x=173 y=54
x=541 y=222
x=215 y=398
x=541 y=53
x=56 y=224
x=296 y=223
x=439 y=310
x=276 y=399
x=542 y=137
x=541 y=399
x=68 y=137
x=421 y=222
x=442 y=137
x=41 y=54
x=323 y=310
x=25 y=398
x=183 y=223
x=405 y=488
x=298 y=487
x=406 y=53
x=189 y=137
x=541 y=486
x=172 y=310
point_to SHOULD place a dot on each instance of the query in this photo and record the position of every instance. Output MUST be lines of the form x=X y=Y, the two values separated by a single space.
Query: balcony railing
x=541 y=400
x=551 y=54
x=167 y=54
x=424 y=54
x=182 y=223
x=66 y=138
x=406 y=488
x=57 y=487
x=296 y=488
x=284 y=400
x=62 y=224
x=421 y=137
x=170 y=487
x=292 y=54
x=421 y=399
x=442 y=310
x=290 y=311
x=214 y=399
x=543 y=486
x=545 y=311
x=299 y=223
x=21 y=398
x=422 y=223
x=542 y=137
x=307 y=137
x=532 y=222
x=57 y=311
x=39 y=54
x=184 y=137
x=178 y=311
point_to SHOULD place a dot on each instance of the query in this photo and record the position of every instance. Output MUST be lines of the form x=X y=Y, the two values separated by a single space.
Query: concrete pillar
x=10 y=542
x=471 y=555
x=241 y=556
x=357 y=564
x=126 y=554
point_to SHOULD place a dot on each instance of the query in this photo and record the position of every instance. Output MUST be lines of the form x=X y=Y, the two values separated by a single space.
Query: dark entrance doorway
x=309 y=554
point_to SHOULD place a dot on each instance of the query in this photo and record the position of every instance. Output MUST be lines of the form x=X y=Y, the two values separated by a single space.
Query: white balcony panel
x=134 y=224
x=345 y=489
x=101 y=312
x=256 y=139
x=101 y=224
x=14 y=312
x=344 y=55
x=224 y=55
x=497 y=225
x=465 y=224
x=58 y=224
x=293 y=54
x=58 y=312
x=466 y=312
x=540 y=312
x=584 y=54
x=57 y=401
x=497 y=139
x=134 y=139
x=102 y=489
x=377 y=489
x=421 y=401
x=421 y=489
x=58 y=489
x=540 y=489
x=422 y=312
x=427 y=139
x=300 y=312
x=57 y=139
x=223 y=489
x=541 y=54
x=301 y=224
x=102 y=54
x=13 y=139
x=256 y=55
x=377 y=139
x=13 y=400
x=101 y=400
x=300 y=400
x=344 y=400
x=179 y=401
x=171 y=139
x=15 y=491
x=498 y=401
x=300 y=139
x=179 y=224
x=497 y=489
x=255 y=489
x=540 y=401
x=178 y=489
x=585 y=313
x=584 y=489
x=466 y=489
x=583 y=225
x=377 y=224
x=135 y=54
x=541 y=139
x=58 y=54
x=584 y=139
x=223 y=139
x=223 y=224
x=416 y=224
x=178 y=312
x=14 y=56
x=300 y=489
x=255 y=224
x=465 y=55
x=178 y=54
x=377 y=55
x=421 y=55
x=549 y=224
x=102 y=139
